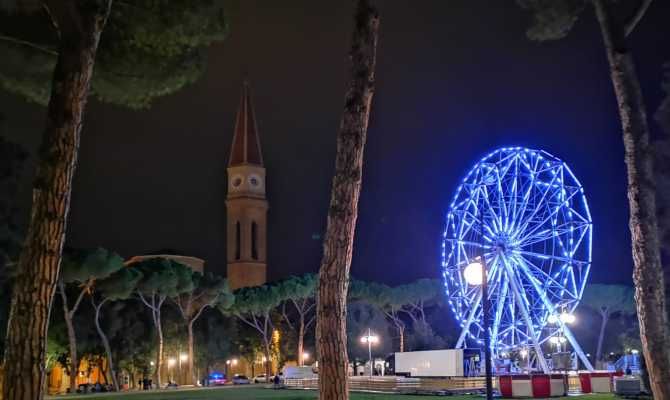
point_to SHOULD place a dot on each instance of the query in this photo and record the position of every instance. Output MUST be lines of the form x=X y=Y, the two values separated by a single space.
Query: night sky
x=455 y=79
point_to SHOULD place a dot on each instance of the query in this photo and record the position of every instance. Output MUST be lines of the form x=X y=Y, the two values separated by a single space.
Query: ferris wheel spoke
x=495 y=218
x=560 y=230
x=547 y=218
x=540 y=205
x=502 y=297
x=503 y=203
x=545 y=257
x=550 y=307
x=526 y=267
x=532 y=170
x=520 y=296
x=513 y=194
x=549 y=279
x=552 y=279
x=471 y=316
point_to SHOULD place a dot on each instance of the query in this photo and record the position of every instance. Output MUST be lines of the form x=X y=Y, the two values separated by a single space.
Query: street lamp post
x=370 y=339
x=487 y=332
x=476 y=274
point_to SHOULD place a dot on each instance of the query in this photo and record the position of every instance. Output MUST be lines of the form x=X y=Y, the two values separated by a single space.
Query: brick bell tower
x=246 y=205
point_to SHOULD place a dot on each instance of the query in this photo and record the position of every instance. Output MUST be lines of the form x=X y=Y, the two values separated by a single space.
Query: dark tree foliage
x=662 y=152
x=130 y=331
x=552 y=19
x=149 y=48
x=12 y=158
x=215 y=341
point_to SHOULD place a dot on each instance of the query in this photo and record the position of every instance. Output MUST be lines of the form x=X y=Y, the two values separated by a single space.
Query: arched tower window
x=238 y=238
x=254 y=240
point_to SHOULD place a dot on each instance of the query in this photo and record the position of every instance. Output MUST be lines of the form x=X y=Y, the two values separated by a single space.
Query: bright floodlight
x=552 y=319
x=557 y=339
x=371 y=338
x=567 y=318
x=473 y=273
x=523 y=353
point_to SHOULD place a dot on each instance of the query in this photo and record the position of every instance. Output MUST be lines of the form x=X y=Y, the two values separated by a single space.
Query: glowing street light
x=567 y=318
x=305 y=356
x=183 y=357
x=370 y=339
x=557 y=339
x=473 y=273
x=171 y=362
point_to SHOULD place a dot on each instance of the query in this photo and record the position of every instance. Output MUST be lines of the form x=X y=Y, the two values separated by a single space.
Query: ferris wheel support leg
x=526 y=316
x=471 y=316
x=550 y=307
x=498 y=314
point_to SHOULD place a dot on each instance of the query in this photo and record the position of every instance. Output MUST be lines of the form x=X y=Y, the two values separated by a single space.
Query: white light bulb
x=473 y=273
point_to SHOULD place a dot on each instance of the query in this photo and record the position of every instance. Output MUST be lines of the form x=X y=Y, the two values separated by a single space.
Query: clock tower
x=246 y=204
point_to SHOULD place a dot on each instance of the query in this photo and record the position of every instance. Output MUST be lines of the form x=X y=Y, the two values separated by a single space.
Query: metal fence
x=398 y=384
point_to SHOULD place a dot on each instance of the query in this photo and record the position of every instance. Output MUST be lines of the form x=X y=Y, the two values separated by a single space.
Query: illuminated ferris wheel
x=525 y=212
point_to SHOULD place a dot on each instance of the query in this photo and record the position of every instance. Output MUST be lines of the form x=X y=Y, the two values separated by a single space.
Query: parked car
x=171 y=385
x=240 y=380
x=215 y=379
x=260 y=378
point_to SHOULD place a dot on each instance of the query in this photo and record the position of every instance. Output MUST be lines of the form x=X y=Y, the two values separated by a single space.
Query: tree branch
x=83 y=291
x=146 y=303
x=632 y=22
x=26 y=43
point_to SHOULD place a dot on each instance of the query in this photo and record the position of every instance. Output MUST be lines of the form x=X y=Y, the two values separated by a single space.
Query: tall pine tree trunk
x=301 y=341
x=72 y=338
x=191 y=370
x=648 y=272
x=601 y=337
x=105 y=344
x=159 y=353
x=80 y=24
x=268 y=359
x=343 y=210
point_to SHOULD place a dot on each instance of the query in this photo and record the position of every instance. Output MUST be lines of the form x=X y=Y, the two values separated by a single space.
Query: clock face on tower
x=255 y=182
x=236 y=182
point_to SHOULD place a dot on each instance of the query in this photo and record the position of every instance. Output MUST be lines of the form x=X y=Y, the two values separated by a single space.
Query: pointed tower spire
x=246 y=145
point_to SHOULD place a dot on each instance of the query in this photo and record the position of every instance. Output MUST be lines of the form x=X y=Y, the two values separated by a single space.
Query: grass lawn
x=257 y=393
